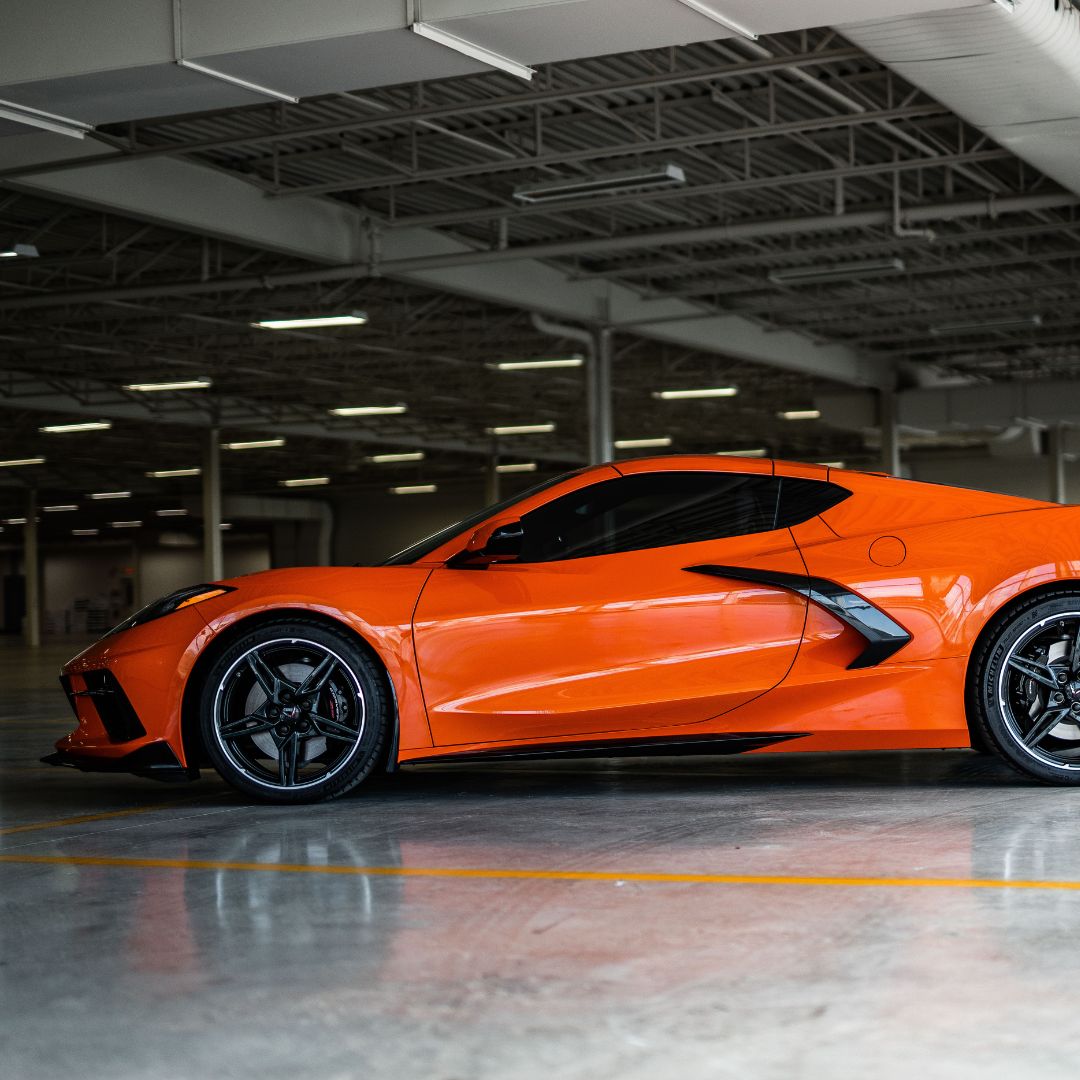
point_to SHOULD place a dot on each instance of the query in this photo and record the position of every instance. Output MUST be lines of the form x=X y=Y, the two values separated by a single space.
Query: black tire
x=294 y=712
x=1024 y=692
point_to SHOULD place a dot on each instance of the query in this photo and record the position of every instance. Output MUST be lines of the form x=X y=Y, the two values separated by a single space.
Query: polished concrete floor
x=178 y=932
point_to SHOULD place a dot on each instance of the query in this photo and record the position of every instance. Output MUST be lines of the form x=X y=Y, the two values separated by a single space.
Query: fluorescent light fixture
x=414 y=489
x=389 y=459
x=125 y=524
x=642 y=444
x=177 y=512
x=85 y=532
x=472 y=50
x=690 y=395
x=1024 y=323
x=521 y=429
x=538 y=365
x=573 y=187
x=253 y=444
x=18 y=251
x=175 y=384
x=59 y=508
x=14 y=521
x=708 y=9
x=225 y=526
x=47 y=121
x=800 y=414
x=369 y=410
x=306 y=481
x=99 y=495
x=234 y=80
x=351 y=318
x=164 y=474
x=516 y=467
x=756 y=452
x=806 y=275
x=86 y=425
x=13 y=462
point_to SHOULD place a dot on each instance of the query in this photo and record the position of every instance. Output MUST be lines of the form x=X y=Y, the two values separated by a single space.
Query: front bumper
x=154 y=760
x=126 y=691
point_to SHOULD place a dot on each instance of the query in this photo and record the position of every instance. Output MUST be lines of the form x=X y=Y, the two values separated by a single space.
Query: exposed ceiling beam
x=207 y=201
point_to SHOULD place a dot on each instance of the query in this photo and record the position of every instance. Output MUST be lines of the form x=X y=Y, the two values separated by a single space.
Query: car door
x=601 y=625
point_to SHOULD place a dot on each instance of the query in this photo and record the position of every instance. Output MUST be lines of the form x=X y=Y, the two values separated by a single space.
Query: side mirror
x=495 y=541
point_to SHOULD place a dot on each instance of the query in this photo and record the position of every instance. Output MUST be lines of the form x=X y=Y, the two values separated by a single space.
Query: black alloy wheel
x=294 y=712
x=1024 y=696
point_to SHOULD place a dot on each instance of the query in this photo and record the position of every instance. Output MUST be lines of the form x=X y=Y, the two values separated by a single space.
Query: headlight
x=182 y=598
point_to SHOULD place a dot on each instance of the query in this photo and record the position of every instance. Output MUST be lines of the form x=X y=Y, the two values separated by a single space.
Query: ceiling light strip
x=472 y=50
x=255 y=88
x=710 y=12
x=85 y=425
x=62 y=125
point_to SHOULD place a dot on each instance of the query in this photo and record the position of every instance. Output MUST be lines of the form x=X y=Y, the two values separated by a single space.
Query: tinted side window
x=800 y=500
x=649 y=510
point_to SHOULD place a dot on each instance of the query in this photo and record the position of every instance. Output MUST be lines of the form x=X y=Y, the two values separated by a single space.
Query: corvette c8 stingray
x=679 y=605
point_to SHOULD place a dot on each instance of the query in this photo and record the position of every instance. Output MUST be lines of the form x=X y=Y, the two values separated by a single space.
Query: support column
x=601 y=428
x=213 y=562
x=491 y=478
x=890 y=436
x=1055 y=459
x=32 y=570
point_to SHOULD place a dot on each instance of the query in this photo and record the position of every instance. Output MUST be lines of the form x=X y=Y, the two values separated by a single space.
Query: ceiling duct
x=1012 y=70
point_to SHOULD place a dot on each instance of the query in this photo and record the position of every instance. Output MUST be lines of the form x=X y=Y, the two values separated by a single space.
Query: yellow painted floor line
x=542 y=875
x=61 y=822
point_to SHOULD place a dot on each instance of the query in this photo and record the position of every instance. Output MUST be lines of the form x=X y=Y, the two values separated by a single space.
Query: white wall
x=89 y=589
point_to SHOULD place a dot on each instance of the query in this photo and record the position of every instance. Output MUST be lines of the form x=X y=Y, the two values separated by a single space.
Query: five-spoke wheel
x=1027 y=682
x=294 y=712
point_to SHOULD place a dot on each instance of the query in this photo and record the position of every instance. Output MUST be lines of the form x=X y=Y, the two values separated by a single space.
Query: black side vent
x=117 y=715
x=65 y=682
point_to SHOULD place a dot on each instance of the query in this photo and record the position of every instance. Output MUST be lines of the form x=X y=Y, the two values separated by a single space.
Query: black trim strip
x=663 y=745
x=884 y=636
x=154 y=760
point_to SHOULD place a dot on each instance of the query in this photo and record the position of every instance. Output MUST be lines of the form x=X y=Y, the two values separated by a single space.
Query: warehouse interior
x=547 y=233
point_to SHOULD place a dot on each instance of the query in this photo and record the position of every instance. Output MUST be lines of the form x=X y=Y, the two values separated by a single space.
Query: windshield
x=423 y=548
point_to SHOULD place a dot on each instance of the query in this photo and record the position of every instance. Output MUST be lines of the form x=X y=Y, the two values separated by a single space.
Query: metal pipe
x=598 y=401
x=749 y=230
x=213 y=561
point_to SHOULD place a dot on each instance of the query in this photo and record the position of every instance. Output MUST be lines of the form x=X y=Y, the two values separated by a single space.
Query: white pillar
x=1055 y=457
x=31 y=568
x=213 y=562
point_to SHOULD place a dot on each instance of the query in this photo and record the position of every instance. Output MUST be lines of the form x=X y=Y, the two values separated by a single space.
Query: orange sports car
x=679 y=605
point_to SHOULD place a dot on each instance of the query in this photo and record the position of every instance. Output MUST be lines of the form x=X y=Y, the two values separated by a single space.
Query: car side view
x=679 y=605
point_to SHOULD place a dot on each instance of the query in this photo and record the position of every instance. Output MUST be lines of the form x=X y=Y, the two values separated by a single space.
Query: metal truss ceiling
x=799 y=151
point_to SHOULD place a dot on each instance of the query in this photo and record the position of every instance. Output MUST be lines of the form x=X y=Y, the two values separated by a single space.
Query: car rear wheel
x=294 y=712
x=1026 y=688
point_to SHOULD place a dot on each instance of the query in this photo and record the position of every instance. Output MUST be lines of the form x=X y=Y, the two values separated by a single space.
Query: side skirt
x=660 y=746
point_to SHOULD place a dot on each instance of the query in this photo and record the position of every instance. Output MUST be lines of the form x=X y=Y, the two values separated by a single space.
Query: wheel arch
x=191 y=734
x=991 y=627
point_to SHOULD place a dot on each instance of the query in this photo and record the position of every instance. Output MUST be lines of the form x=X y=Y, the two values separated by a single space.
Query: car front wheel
x=294 y=711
